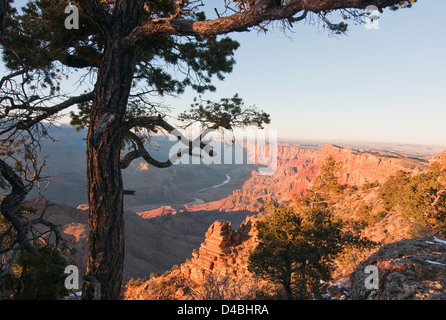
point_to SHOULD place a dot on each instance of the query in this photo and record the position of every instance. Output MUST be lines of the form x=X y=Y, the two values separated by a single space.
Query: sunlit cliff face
x=441 y=159
x=143 y=166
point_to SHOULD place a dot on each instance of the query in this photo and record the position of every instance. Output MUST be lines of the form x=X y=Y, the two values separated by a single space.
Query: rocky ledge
x=410 y=269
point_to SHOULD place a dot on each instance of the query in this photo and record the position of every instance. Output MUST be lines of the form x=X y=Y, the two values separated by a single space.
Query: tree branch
x=140 y=150
x=11 y=75
x=160 y=122
x=11 y=203
x=45 y=113
x=94 y=9
x=81 y=62
x=261 y=11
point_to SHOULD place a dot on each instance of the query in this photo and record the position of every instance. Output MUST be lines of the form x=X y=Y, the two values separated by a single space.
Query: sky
x=386 y=84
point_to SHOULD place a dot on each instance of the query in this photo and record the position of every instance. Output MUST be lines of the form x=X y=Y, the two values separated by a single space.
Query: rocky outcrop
x=151 y=245
x=222 y=252
x=440 y=159
x=411 y=269
x=218 y=267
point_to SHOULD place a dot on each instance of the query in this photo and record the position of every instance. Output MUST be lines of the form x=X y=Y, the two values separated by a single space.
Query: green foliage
x=298 y=246
x=364 y=213
x=35 y=38
x=327 y=180
x=32 y=276
x=135 y=283
x=390 y=191
x=227 y=113
x=370 y=185
x=202 y=57
x=420 y=198
x=135 y=108
x=300 y=242
x=403 y=4
x=338 y=28
x=38 y=277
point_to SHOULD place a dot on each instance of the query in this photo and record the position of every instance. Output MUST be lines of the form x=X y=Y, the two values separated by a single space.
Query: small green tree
x=273 y=257
x=38 y=277
x=327 y=181
x=298 y=246
x=421 y=198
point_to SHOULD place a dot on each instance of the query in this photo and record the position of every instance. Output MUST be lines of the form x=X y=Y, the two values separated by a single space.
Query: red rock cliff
x=298 y=167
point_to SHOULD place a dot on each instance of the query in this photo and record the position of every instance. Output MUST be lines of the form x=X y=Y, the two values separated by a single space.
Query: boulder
x=410 y=269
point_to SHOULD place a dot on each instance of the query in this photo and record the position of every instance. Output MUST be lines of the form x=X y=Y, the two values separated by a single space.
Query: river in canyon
x=198 y=200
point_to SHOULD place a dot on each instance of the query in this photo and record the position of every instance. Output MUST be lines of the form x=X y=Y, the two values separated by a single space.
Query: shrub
x=421 y=198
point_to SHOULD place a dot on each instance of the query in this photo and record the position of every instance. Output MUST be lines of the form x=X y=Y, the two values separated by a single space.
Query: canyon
x=195 y=225
x=297 y=167
x=219 y=268
x=166 y=235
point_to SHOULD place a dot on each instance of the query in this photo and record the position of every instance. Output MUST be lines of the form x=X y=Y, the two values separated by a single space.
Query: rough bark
x=105 y=187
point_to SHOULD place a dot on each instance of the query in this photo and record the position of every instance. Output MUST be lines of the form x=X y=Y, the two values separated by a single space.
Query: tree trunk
x=104 y=141
x=105 y=188
x=287 y=287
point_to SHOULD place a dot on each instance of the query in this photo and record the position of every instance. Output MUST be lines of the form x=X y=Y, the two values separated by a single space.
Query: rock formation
x=222 y=251
x=362 y=166
x=218 y=267
x=410 y=269
x=151 y=244
x=161 y=211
